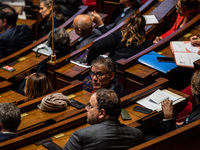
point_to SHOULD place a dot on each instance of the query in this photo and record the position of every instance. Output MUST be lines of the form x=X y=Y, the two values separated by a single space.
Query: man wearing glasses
x=103 y=76
x=105 y=132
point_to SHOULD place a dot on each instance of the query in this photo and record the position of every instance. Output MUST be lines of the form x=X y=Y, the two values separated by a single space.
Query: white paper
x=179 y=46
x=150 y=19
x=158 y=96
x=146 y=102
x=191 y=48
x=14 y=2
x=43 y=49
x=186 y=58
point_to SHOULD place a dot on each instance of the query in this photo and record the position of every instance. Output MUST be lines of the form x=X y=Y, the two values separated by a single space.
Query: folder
x=150 y=59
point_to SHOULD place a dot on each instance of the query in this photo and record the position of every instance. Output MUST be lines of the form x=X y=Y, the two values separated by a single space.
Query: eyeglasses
x=98 y=74
x=89 y=106
x=178 y=8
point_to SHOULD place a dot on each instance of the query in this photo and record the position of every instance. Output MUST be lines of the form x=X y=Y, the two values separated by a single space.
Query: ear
x=4 y=22
x=102 y=114
x=79 y=31
x=112 y=75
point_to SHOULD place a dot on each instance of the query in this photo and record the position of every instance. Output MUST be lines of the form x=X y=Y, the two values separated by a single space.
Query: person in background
x=186 y=9
x=126 y=9
x=45 y=11
x=37 y=84
x=61 y=47
x=167 y=106
x=123 y=43
x=69 y=7
x=10 y=119
x=12 y=37
x=105 y=132
x=102 y=75
x=83 y=27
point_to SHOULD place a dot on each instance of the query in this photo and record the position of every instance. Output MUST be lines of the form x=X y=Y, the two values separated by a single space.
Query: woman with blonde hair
x=37 y=84
x=123 y=43
x=45 y=11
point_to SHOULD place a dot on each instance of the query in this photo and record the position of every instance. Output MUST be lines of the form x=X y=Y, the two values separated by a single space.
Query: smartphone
x=142 y=109
x=76 y=104
x=125 y=115
x=8 y=68
x=51 y=146
x=165 y=59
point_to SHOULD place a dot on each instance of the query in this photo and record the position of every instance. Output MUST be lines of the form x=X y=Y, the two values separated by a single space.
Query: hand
x=96 y=18
x=167 y=108
x=157 y=39
x=195 y=41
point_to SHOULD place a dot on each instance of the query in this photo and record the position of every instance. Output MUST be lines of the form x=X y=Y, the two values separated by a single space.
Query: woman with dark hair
x=123 y=43
x=37 y=84
x=186 y=9
x=45 y=11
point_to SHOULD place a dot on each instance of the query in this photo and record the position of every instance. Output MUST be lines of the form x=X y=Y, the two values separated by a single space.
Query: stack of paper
x=146 y=102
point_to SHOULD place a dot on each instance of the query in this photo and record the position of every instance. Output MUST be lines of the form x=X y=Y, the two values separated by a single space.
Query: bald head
x=83 y=24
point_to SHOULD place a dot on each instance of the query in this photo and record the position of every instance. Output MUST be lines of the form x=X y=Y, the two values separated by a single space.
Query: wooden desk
x=11 y=97
x=28 y=22
x=124 y=64
x=136 y=73
x=77 y=123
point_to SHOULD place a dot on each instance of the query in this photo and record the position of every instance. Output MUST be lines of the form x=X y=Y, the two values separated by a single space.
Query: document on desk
x=146 y=102
x=184 y=53
x=43 y=49
x=150 y=19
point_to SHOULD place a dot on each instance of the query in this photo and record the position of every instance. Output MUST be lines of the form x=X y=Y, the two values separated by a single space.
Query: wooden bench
x=186 y=137
x=79 y=120
x=131 y=72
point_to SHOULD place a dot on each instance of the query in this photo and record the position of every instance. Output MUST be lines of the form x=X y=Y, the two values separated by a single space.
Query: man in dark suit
x=10 y=118
x=106 y=132
x=83 y=27
x=125 y=10
x=12 y=38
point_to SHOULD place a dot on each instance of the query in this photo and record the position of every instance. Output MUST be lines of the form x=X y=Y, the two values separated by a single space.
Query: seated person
x=105 y=132
x=187 y=10
x=69 y=7
x=123 y=43
x=195 y=115
x=37 y=84
x=12 y=37
x=45 y=11
x=61 y=47
x=103 y=76
x=83 y=27
x=125 y=10
x=10 y=119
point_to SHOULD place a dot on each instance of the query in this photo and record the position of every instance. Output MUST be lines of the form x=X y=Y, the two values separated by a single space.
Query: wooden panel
x=11 y=97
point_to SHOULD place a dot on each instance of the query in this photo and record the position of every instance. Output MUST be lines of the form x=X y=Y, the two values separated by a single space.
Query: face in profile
x=44 y=10
x=92 y=110
x=100 y=77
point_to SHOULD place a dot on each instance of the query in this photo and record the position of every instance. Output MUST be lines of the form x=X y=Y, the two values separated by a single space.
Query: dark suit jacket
x=14 y=39
x=119 y=17
x=47 y=27
x=117 y=49
x=89 y=38
x=7 y=136
x=108 y=134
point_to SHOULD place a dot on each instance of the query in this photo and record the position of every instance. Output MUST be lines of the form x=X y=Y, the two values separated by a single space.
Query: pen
x=197 y=37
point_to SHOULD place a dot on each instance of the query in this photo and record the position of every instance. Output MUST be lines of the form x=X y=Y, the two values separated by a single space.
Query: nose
x=86 y=108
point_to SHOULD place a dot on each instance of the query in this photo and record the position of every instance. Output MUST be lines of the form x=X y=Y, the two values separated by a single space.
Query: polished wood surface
x=28 y=22
x=11 y=96
x=128 y=104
